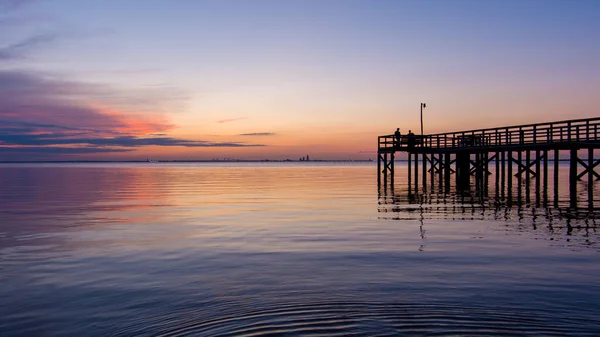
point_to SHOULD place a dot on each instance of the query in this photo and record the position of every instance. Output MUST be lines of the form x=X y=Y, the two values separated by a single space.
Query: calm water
x=281 y=249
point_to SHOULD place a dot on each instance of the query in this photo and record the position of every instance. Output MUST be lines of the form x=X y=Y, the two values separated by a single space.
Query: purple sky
x=278 y=79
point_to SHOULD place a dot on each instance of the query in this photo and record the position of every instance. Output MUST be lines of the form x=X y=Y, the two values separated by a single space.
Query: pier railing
x=579 y=130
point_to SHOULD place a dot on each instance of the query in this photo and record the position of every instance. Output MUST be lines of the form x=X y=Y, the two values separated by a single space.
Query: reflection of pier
x=474 y=207
x=526 y=153
x=562 y=225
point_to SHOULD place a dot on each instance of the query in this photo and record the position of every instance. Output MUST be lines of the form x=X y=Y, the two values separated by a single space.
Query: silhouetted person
x=411 y=139
x=397 y=138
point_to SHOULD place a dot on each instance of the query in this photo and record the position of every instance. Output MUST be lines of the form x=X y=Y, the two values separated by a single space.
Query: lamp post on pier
x=423 y=105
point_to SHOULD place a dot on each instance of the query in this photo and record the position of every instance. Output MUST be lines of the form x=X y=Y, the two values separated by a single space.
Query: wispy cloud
x=231 y=120
x=44 y=113
x=123 y=141
x=54 y=150
x=258 y=134
x=14 y=46
x=33 y=98
x=17 y=50
x=41 y=112
x=10 y=5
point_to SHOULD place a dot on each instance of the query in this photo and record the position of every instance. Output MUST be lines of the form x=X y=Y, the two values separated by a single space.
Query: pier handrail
x=576 y=130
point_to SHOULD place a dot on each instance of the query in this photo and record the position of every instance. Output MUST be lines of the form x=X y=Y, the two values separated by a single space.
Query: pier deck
x=469 y=153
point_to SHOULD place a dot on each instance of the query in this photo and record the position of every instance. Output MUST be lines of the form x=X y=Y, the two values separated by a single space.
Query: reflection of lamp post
x=422 y=106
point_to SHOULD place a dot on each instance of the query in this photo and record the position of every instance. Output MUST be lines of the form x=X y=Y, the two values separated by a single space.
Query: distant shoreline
x=191 y=161
x=203 y=161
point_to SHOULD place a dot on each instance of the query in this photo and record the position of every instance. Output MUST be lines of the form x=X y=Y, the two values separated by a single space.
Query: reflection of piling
x=399 y=206
x=521 y=152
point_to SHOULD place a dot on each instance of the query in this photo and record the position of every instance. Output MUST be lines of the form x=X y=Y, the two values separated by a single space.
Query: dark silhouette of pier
x=525 y=153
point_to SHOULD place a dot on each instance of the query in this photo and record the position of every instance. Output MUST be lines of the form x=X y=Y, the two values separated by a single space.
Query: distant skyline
x=258 y=79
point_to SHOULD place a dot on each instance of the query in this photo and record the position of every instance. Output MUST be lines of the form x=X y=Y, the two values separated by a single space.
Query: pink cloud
x=44 y=115
x=231 y=119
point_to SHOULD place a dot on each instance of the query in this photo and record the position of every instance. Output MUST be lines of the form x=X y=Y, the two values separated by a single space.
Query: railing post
x=561 y=133
x=587 y=130
x=521 y=135
x=535 y=134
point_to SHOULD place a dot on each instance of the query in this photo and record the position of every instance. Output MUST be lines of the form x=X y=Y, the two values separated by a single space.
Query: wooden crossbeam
x=483 y=163
x=435 y=165
x=527 y=166
x=474 y=167
x=383 y=160
x=443 y=165
x=388 y=165
x=431 y=158
x=587 y=169
x=440 y=165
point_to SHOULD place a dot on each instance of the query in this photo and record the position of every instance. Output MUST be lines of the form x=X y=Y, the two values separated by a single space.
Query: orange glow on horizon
x=136 y=123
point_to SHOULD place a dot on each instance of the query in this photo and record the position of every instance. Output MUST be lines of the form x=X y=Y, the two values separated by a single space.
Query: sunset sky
x=258 y=79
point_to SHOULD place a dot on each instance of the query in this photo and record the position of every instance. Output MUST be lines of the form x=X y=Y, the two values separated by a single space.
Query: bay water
x=307 y=249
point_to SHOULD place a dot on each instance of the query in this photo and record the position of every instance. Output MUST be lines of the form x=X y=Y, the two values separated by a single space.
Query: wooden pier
x=525 y=152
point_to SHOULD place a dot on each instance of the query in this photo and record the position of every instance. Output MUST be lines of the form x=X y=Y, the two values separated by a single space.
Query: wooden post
x=520 y=160
x=590 y=178
x=538 y=177
x=477 y=172
x=385 y=169
x=440 y=158
x=424 y=172
x=509 y=176
x=485 y=172
x=483 y=169
x=527 y=162
x=520 y=178
x=503 y=172
x=538 y=174
x=463 y=166
x=416 y=173
x=409 y=173
x=497 y=174
x=573 y=179
x=527 y=177
x=378 y=169
x=556 y=162
x=447 y=170
x=392 y=169
x=432 y=169
x=545 y=194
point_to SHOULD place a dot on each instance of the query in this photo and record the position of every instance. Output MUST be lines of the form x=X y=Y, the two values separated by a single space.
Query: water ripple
x=374 y=319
